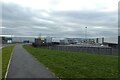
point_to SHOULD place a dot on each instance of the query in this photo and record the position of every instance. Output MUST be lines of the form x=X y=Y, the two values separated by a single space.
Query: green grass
x=76 y=65
x=6 y=53
x=0 y=64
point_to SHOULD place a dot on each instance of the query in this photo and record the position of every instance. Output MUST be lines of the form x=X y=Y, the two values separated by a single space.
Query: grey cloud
x=20 y=21
x=91 y=17
x=15 y=12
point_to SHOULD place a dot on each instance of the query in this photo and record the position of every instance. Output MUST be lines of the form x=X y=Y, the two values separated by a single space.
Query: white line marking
x=9 y=64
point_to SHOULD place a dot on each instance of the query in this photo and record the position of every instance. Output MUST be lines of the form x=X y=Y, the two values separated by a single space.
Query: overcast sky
x=60 y=18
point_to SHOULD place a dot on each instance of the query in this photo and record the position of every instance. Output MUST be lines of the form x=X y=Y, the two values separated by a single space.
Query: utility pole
x=40 y=35
x=85 y=32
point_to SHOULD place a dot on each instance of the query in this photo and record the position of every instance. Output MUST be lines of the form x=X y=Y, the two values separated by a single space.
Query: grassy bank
x=0 y=63
x=76 y=65
x=6 y=54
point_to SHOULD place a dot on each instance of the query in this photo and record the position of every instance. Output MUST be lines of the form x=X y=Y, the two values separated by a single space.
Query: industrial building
x=6 y=40
x=48 y=39
x=18 y=39
x=39 y=42
x=99 y=40
x=77 y=41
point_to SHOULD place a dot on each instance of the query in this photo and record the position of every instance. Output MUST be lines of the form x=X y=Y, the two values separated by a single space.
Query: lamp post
x=40 y=35
x=86 y=33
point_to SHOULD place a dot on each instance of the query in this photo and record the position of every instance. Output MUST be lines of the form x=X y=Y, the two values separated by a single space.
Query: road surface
x=23 y=65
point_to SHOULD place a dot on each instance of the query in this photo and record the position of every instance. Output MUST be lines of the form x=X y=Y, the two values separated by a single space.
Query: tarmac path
x=23 y=65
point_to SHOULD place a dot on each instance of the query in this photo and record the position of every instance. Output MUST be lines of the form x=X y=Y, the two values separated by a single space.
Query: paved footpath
x=23 y=65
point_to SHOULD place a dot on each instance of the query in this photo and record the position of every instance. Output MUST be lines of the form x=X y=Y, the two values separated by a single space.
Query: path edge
x=9 y=63
x=41 y=63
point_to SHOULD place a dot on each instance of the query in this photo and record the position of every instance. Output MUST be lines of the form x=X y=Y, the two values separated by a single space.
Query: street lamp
x=85 y=32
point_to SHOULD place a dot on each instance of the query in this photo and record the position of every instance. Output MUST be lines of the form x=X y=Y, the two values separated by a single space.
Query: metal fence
x=92 y=50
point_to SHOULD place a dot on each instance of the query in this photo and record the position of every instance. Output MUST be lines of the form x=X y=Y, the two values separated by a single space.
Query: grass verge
x=6 y=54
x=76 y=65
x=0 y=64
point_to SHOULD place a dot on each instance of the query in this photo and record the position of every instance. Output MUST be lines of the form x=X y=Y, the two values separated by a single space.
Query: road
x=23 y=65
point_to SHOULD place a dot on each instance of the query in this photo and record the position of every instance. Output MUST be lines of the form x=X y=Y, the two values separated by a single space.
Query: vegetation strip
x=6 y=54
x=76 y=65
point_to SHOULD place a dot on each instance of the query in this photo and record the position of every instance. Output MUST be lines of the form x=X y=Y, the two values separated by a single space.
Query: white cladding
x=100 y=40
x=111 y=40
x=48 y=39
x=108 y=40
x=66 y=40
x=9 y=41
